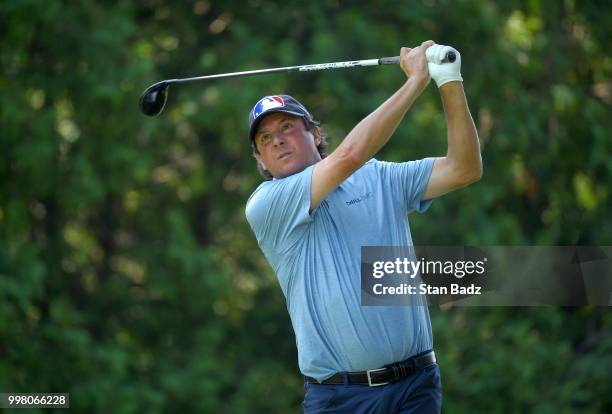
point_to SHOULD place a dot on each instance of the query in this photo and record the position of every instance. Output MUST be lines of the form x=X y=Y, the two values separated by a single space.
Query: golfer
x=315 y=211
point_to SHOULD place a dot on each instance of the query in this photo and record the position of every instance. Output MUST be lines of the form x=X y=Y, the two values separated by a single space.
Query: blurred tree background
x=128 y=274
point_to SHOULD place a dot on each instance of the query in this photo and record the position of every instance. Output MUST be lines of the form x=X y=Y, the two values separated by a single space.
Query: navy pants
x=418 y=393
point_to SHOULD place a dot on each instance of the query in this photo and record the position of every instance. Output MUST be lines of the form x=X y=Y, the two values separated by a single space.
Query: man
x=355 y=359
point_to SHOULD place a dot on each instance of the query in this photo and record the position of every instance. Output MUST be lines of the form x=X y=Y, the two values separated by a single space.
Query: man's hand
x=414 y=63
x=443 y=72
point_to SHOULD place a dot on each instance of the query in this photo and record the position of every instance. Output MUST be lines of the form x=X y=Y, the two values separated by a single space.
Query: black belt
x=385 y=375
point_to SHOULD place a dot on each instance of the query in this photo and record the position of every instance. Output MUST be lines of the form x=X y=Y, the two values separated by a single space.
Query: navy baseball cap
x=274 y=103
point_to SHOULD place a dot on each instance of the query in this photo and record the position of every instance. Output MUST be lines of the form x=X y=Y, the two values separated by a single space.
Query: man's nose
x=278 y=138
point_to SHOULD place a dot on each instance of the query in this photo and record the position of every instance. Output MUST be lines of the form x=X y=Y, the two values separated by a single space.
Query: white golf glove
x=442 y=71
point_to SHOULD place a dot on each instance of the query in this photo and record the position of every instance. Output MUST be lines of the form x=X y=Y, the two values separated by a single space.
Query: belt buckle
x=370 y=378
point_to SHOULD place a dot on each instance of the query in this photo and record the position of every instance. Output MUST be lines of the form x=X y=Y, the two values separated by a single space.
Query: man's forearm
x=369 y=135
x=463 y=145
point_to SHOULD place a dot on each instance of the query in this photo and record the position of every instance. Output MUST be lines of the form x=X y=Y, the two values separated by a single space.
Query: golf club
x=154 y=98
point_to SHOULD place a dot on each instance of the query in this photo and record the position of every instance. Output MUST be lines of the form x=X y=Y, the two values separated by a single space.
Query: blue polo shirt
x=316 y=258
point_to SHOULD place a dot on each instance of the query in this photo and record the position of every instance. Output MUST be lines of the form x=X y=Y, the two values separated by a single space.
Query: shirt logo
x=359 y=199
x=267 y=103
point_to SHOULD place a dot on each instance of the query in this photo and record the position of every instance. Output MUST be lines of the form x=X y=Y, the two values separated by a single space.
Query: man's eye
x=287 y=126
x=264 y=138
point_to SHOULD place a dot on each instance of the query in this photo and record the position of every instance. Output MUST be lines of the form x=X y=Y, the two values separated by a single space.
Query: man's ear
x=259 y=160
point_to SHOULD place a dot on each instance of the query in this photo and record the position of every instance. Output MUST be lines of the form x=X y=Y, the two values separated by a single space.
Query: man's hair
x=310 y=125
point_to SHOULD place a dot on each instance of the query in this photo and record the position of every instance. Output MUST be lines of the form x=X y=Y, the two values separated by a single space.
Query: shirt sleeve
x=409 y=180
x=278 y=211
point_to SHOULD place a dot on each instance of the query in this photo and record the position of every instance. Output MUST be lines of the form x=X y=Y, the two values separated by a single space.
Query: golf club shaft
x=303 y=68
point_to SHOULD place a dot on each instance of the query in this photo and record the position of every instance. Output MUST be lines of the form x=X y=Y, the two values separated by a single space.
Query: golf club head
x=154 y=98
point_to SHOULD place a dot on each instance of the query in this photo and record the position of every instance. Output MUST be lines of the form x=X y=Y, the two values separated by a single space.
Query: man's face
x=285 y=146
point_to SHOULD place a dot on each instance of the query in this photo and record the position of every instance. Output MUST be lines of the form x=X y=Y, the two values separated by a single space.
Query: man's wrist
x=420 y=81
x=452 y=88
x=453 y=84
x=449 y=79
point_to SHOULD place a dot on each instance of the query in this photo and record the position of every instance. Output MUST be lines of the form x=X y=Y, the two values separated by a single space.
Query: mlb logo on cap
x=267 y=103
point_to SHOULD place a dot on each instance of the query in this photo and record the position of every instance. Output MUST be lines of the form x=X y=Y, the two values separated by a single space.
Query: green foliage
x=128 y=274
